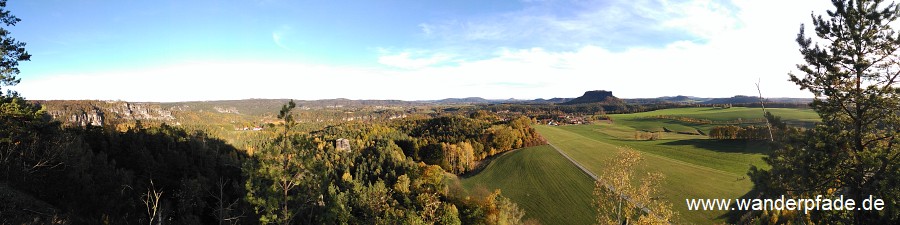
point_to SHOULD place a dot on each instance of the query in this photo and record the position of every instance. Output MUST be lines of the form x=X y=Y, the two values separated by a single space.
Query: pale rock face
x=92 y=117
x=101 y=113
x=140 y=111
x=226 y=110
x=342 y=144
x=393 y=117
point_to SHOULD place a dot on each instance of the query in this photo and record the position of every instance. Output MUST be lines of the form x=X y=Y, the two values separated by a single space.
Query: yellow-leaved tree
x=618 y=201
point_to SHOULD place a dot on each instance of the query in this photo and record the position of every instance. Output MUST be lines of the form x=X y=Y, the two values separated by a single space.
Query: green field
x=554 y=191
x=691 y=171
x=748 y=116
x=542 y=182
x=695 y=166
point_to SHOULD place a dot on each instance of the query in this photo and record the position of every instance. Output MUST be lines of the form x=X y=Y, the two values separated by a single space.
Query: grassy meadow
x=551 y=189
x=709 y=175
x=650 y=121
x=542 y=182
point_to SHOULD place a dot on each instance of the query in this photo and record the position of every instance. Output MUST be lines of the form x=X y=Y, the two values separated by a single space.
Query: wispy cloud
x=280 y=34
x=714 y=47
x=413 y=59
x=703 y=19
x=613 y=24
x=426 y=29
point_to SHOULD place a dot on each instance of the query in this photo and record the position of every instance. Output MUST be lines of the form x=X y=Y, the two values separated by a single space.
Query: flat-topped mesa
x=595 y=96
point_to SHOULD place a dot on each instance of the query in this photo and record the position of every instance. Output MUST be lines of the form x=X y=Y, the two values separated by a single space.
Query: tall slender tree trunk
x=284 y=204
x=765 y=114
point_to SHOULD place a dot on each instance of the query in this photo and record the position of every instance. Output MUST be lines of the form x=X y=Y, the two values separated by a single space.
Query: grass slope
x=719 y=114
x=691 y=171
x=645 y=121
x=541 y=181
x=733 y=156
x=554 y=191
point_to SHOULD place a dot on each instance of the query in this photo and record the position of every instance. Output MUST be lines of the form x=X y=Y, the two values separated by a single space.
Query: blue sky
x=410 y=50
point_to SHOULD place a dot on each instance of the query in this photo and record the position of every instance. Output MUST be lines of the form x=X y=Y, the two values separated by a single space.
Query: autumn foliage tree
x=619 y=201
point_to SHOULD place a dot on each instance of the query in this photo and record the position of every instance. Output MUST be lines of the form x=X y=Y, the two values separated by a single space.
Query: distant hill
x=667 y=99
x=680 y=98
x=791 y=100
x=737 y=99
x=549 y=101
x=469 y=100
x=596 y=96
x=743 y=99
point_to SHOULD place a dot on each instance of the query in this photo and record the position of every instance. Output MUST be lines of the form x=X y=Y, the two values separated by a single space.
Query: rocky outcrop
x=100 y=113
x=230 y=109
x=140 y=111
x=342 y=144
x=80 y=117
x=597 y=96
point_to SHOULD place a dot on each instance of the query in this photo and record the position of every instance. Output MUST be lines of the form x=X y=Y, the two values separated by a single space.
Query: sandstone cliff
x=100 y=113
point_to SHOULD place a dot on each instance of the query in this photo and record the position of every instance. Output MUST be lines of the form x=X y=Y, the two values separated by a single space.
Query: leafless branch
x=761 y=103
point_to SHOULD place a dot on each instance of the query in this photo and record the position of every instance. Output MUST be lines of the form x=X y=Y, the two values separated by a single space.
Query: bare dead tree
x=151 y=201
x=224 y=207
x=765 y=113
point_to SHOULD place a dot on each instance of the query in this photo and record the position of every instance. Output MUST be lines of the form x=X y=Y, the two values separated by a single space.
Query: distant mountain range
x=737 y=99
x=253 y=105
x=82 y=112
x=601 y=96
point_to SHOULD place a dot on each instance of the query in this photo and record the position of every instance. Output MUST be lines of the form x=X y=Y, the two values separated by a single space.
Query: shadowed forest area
x=395 y=173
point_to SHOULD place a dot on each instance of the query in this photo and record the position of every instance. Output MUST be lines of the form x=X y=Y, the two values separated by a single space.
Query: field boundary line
x=592 y=175
x=585 y=170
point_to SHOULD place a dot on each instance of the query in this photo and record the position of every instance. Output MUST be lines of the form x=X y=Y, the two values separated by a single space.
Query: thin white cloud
x=280 y=34
x=703 y=18
x=632 y=22
x=407 y=60
x=276 y=37
x=426 y=29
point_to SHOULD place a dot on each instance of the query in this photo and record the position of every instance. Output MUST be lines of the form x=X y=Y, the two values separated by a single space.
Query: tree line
x=732 y=132
x=456 y=142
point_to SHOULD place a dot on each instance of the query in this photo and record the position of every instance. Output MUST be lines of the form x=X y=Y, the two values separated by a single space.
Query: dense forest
x=397 y=172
